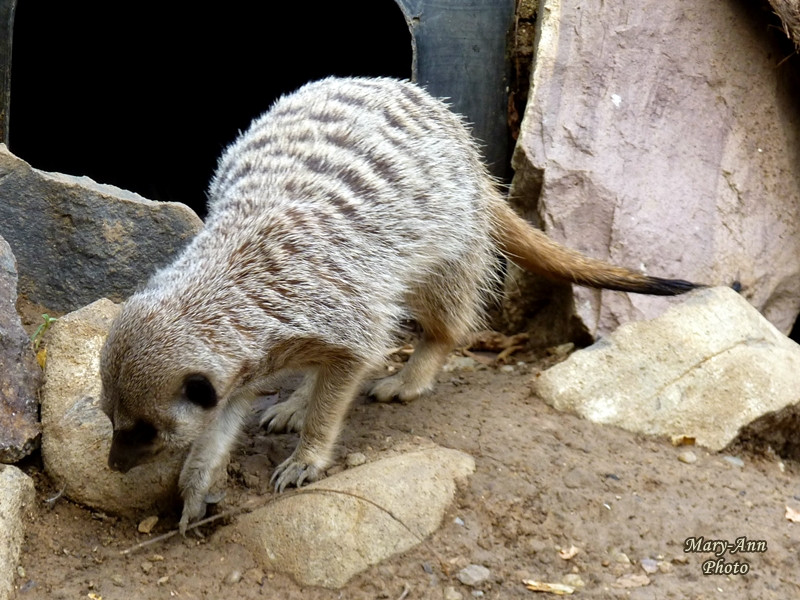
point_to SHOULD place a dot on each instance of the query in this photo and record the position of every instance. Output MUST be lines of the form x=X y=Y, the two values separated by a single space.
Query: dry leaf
x=494 y=341
x=683 y=440
x=41 y=357
x=568 y=553
x=792 y=515
x=484 y=360
x=559 y=589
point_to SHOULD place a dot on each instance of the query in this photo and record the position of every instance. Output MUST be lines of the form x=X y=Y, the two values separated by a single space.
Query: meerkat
x=352 y=204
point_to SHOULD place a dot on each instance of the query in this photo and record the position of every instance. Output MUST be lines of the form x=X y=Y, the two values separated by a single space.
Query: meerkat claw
x=293 y=472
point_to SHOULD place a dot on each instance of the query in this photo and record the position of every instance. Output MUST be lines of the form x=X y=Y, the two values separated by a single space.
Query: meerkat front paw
x=194 y=508
x=295 y=471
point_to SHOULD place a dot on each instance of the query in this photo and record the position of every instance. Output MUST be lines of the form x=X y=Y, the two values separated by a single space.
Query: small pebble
x=451 y=593
x=622 y=558
x=473 y=575
x=233 y=577
x=459 y=363
x=561 y=350
x=649 y=565
x=573 y=580
x=687 y=457
x=20 y=571
x=163 y=580
x=734 y=460
x=355 y=459
x=146 y=525
x=665 y=567
x=459 y=521
x=117 y=580
x=477 y=593
x=147 y=566
x=507 y=368
x=252 y=481
x=256 y=575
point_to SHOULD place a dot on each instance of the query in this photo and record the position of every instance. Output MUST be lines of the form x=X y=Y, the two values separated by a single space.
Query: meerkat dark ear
x=198 y=390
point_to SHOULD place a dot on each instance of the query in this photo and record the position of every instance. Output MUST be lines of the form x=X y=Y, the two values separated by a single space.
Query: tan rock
x=17 y=495
x=76 y=434
x=705 y=369
x=335 y=528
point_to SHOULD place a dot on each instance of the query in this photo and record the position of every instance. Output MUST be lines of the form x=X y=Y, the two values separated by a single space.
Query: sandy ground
x=554 y=498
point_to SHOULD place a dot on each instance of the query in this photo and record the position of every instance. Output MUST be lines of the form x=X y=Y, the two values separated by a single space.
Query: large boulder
x=664 y=136
x=331 y=530
x=20 y=375
x=706 y=369
x=76 y=240
x=76 y=434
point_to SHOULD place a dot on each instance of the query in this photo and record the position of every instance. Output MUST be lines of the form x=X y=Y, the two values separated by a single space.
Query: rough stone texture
x=662 y=136
x=20 y=375
x=336 y=528
x=705 y=369
x=76 y=240
x=17 y=496
x=76 y=434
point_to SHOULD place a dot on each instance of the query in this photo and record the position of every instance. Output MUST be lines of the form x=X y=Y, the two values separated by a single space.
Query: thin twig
x=250 y=506
x=52 y=500
x=406 y=590
x=165 y=536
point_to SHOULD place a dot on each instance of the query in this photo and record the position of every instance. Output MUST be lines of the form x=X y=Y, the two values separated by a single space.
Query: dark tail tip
x=669 y=287
x=654 y=286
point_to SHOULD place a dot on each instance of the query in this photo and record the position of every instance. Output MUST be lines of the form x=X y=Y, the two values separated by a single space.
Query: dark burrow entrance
x=145 y=96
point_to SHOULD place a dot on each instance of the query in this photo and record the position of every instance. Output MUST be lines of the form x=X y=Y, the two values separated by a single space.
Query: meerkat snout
x=138 y=444
x=134 y=446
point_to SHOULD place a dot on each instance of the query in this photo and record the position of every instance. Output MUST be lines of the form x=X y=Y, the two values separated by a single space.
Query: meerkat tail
x=532 y=250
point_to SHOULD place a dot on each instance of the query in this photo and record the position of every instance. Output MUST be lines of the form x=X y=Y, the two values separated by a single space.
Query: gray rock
x=333 y=529
x=76 y=434
x=20 y=375
x=643 y=144
x=705 y=369
x=76 y=240
x=17 y=495
x=473 y=575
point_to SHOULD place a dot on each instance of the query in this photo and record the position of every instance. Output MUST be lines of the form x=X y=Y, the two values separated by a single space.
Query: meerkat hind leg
x=445 y=313
x=418 y=375
x=290 y=415
x=333 y=389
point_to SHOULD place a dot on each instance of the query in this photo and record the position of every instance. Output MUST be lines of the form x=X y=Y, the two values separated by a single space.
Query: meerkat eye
x=198 y=390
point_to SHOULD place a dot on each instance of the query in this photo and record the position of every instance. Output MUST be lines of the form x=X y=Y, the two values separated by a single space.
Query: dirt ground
x=554 y=498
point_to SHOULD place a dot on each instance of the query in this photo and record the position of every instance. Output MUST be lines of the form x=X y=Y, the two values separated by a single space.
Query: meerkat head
x=161 y=383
